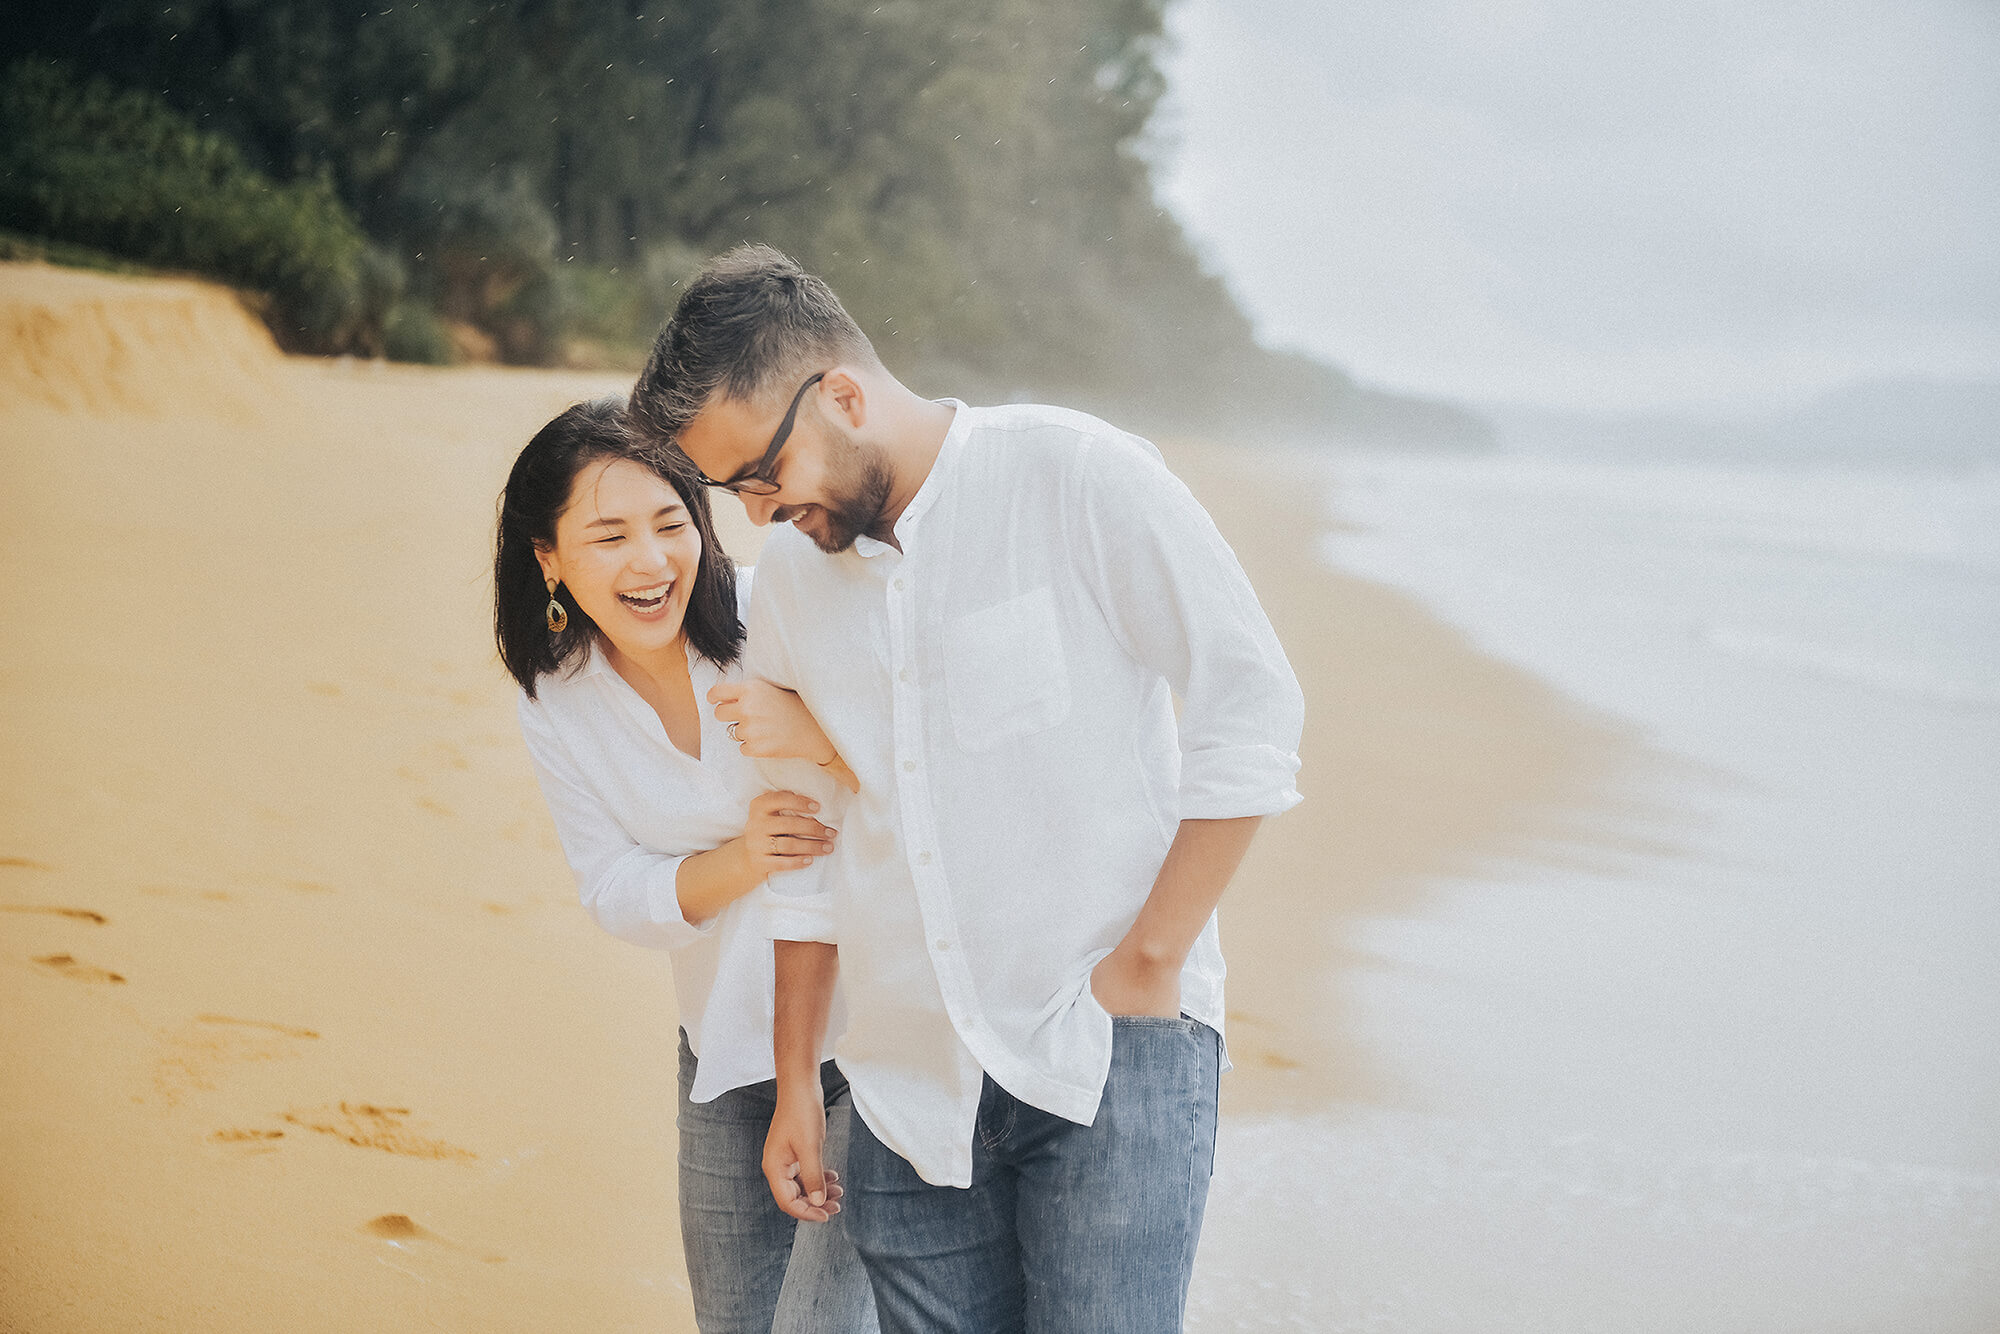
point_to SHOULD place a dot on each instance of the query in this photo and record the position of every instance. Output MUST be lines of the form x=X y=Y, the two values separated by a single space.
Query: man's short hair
x=751 y=325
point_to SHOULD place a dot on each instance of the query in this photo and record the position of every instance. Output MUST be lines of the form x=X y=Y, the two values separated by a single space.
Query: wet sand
x=303 y=1026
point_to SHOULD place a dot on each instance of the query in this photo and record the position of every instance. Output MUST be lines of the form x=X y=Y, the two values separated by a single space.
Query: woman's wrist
x=732 y=858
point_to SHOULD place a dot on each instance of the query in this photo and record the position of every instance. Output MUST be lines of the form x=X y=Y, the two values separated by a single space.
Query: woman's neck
x=660 y=677
x=664 y=668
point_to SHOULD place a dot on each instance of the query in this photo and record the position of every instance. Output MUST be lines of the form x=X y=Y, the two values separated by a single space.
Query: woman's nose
x=649 y=554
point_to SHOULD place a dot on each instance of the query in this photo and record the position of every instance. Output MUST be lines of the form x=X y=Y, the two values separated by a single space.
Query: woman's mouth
x=647 y=600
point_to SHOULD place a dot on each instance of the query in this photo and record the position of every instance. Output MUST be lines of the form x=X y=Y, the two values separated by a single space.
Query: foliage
x=964 y=172
x=121 y=171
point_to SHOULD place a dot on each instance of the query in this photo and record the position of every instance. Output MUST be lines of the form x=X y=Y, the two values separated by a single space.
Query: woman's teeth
x=646 y=599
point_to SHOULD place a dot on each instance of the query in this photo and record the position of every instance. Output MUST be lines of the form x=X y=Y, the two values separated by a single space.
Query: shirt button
x=943 y=944
x=923 y=859
x=903 y=675
x=909 y=766
x=899 y=585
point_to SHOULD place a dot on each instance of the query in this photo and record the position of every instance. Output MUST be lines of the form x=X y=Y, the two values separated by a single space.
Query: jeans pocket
x=1181 y=1023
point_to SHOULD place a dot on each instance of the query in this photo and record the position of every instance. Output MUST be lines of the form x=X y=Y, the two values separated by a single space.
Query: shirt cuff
x=777 y=916
x=1230 y=782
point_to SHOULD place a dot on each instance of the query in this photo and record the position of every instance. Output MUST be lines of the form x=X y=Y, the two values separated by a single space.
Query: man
x=990 y=610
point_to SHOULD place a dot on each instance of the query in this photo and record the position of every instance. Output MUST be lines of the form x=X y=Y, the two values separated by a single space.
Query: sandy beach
x=303 y=1025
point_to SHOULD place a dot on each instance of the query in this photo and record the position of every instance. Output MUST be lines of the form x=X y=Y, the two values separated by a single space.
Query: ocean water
x=1731 y=1059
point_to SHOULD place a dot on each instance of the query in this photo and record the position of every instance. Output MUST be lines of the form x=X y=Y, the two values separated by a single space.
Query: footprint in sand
x=367 y=1126
x=400 y=1228
x=178 y=892
x=81 y=972
x=79 y=914
x=224 y=1020
x=194 y=1057
x=248 y=1141
x=26 y=864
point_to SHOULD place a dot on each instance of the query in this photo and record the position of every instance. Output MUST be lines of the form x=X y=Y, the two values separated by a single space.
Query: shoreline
x=1420 y=756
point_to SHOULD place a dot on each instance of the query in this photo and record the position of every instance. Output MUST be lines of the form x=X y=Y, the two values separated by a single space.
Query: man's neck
x=912 y=437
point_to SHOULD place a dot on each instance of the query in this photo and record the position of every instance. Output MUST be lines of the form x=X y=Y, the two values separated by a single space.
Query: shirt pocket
x=1004 y=671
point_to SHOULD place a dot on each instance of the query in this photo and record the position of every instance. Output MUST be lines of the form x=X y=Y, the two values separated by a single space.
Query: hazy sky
x=1596 y=203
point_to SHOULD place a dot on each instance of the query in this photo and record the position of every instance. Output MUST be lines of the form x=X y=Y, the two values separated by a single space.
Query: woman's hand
x=770 y=722
x=781 y=835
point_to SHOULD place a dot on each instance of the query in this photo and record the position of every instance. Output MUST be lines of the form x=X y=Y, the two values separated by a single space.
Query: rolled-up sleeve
x=798 y=905
x=1178 y=601
x=630 y=890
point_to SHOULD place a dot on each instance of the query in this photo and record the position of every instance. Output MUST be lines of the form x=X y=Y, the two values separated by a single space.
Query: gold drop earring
x=558 y=618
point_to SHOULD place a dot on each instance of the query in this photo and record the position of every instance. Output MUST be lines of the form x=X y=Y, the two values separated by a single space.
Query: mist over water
x=1728 y=204
x=1721 y=276
x=1729 y=1065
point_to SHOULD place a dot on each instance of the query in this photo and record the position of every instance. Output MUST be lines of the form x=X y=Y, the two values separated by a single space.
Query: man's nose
x=759 y=508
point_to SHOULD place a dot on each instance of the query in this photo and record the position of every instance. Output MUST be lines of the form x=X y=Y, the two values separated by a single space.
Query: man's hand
x=794 y=1157
x=1125 y=982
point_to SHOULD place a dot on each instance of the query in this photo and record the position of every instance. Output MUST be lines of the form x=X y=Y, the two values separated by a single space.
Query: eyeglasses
x=762 y=480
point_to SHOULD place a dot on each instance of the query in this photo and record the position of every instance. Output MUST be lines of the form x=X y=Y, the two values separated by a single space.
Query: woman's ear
x=546 y=558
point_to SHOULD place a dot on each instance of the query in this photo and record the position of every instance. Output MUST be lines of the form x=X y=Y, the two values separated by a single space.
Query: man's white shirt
x=1004 y=689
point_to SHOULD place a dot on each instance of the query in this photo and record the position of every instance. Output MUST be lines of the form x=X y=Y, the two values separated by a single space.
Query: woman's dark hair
x=538 y=491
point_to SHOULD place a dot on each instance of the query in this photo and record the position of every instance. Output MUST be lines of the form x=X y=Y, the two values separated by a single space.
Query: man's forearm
x=1142 y=976
x=806 y=970
x=1199 y=864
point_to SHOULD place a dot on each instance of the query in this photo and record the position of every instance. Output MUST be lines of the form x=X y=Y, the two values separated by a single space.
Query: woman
x=617 y=611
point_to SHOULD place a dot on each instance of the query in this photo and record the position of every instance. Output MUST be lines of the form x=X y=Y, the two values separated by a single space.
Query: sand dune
x=302 y=1024
x=97 y=344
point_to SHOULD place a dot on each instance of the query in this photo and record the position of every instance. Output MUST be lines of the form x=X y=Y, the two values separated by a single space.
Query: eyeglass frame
x=762 y=479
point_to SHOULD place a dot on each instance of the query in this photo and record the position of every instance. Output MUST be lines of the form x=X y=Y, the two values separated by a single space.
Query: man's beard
x=858 y=483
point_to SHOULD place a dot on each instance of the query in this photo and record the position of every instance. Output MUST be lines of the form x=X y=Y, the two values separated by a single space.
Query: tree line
x=535 y=177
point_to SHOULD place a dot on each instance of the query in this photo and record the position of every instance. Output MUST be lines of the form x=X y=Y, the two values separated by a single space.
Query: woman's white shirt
x=629 y=807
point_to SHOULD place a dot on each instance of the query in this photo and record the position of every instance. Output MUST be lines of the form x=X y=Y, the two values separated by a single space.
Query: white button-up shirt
x=1003 y=687
x=629 y=807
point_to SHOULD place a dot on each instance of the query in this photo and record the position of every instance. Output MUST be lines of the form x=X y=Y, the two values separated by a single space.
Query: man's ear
x=849 y=399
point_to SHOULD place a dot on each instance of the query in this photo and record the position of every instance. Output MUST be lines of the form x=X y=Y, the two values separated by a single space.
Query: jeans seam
x=1006 y=1128
x=1195 y=1157
x=1193 y=1234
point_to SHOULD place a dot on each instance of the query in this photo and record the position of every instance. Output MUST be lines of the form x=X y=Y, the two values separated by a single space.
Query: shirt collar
x=938 y=478
x=596 y=663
